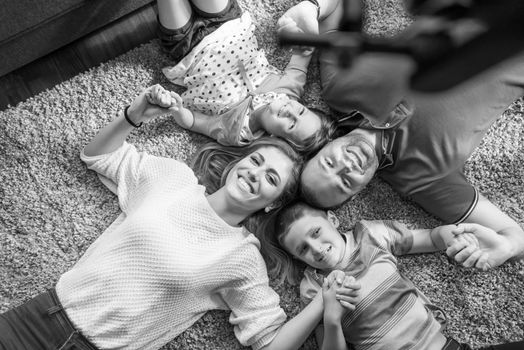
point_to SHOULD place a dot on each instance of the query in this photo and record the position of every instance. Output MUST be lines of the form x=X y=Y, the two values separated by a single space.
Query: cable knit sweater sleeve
x=125 y=169
x=255 y=307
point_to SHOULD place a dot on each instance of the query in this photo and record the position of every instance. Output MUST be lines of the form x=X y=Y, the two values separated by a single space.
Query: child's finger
x=347 y=305
x=176 y=98
x=482 y=262
x=458 y=230
x=472 y=259
x=351 y=292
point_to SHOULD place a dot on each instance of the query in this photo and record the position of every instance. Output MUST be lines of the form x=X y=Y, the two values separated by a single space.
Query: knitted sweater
x=166 y=260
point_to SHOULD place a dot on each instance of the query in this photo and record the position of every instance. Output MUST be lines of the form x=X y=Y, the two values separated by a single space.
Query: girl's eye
x=329 y=162
x=255 y=160
x=302 y=250
x=292 y=125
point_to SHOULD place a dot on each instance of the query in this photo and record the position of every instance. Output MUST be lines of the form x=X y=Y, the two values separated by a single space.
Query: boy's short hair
x=284 y=264
x=316 y=141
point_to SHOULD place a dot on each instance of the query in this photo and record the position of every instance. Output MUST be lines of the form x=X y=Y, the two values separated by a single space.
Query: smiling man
x=417 y=143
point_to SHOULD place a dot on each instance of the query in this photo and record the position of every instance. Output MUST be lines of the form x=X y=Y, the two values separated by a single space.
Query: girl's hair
x=281 y=263
x=316 y=141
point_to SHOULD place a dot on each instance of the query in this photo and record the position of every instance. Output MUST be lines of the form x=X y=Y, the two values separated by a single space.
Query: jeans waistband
x=57 y=310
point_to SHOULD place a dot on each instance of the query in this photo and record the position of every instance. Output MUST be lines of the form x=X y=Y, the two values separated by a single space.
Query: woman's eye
x=271 y=179
x=346 y=182
x=316 y=233
x=292 y=125
x=255 y=160
x=329 y=162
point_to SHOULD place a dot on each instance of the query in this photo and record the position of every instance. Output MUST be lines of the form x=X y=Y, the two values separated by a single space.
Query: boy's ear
x=333 y=218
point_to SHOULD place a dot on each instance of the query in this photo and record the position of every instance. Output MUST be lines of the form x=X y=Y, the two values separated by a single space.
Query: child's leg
x=211 y=6
x=174 y=14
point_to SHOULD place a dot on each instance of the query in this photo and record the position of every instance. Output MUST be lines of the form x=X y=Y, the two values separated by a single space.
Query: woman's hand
x=150 y=103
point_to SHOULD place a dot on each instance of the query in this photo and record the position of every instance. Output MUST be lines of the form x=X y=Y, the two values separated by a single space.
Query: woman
x=174 y=252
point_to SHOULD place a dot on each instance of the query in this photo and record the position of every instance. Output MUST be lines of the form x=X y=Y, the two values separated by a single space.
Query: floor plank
x=100 y=46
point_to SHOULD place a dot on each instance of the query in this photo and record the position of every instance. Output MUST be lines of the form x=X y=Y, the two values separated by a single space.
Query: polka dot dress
x=211 y=71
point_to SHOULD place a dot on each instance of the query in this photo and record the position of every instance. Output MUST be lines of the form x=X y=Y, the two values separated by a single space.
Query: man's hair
x=280 y=262
x=316 y=141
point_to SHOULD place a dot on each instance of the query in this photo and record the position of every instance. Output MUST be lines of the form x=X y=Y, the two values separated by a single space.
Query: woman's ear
x=333 y=218
x=272 y=206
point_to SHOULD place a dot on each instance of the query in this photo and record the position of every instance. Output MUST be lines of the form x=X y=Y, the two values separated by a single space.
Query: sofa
x=30 y=29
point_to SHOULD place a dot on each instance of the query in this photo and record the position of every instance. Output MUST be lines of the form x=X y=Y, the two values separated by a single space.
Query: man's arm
x=500 y=227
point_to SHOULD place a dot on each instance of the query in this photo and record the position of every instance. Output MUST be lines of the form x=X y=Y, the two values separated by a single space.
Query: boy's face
x=290 y=120
x=315 y=240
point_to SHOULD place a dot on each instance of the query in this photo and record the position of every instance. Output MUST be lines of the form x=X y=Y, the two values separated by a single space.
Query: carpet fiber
x=52 y=207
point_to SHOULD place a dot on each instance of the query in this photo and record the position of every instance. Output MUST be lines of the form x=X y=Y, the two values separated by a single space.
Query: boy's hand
x=478 y=246
x=346 y=289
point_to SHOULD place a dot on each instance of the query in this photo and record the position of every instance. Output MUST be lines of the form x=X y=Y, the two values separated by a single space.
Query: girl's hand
x=183 y=116
x=149 y=104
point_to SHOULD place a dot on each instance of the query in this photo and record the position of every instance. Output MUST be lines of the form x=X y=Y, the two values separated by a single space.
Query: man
x=416 y=143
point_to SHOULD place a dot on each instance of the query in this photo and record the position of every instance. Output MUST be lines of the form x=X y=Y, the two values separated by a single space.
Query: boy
x=391 y=313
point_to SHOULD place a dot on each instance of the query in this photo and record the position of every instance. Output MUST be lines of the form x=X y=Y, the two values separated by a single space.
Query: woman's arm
x=149 y=104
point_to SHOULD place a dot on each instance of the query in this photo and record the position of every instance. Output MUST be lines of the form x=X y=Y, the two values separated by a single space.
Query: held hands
x=340 y=294
x=301 y=18
x=477 y=246
x=156 y=101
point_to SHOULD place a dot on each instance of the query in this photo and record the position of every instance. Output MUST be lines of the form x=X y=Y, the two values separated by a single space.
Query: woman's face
x=290 y=120
x=259 y=179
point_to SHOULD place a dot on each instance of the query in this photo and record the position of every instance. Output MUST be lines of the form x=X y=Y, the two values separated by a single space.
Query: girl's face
x=315 y=240
x=289 y=120
x=259 y=179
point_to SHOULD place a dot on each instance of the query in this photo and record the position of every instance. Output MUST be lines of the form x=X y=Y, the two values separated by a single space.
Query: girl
x=232 y=93
x=174 y=253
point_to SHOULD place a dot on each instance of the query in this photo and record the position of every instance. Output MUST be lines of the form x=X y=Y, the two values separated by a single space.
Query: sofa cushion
x=31 y=29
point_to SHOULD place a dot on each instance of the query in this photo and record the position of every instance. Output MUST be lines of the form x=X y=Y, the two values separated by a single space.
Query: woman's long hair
x=212 y=164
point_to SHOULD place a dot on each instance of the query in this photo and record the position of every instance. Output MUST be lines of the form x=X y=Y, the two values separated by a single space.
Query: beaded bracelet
x=129 y=119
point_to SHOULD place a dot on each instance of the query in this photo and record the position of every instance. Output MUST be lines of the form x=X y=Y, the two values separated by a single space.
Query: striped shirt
x=392 y=313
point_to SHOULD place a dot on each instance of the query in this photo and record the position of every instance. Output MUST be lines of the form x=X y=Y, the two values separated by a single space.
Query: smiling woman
x=176 y=251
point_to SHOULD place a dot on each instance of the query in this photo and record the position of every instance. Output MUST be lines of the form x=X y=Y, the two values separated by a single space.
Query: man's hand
x=478 y=246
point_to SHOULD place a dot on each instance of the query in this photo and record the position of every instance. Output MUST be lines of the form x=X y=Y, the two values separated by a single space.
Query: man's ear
x=333 y=218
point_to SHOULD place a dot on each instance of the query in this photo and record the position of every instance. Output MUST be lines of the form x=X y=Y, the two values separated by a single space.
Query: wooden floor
x=100 y=46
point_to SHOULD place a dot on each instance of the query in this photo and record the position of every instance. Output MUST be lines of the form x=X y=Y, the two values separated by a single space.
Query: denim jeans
x=40 y=323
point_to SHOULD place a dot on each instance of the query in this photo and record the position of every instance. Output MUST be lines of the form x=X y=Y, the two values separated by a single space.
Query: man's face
x=340 y=170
